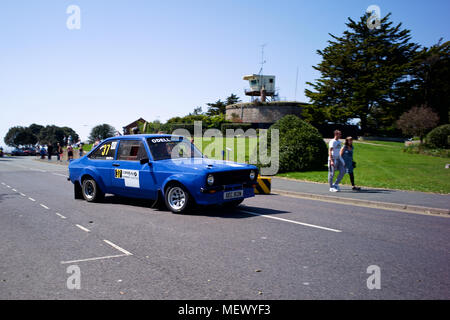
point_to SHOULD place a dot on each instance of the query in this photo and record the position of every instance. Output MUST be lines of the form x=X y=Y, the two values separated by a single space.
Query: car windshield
x=172 y=148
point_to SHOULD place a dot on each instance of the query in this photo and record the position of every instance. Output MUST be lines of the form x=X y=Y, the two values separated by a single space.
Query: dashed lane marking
x=118 y=248
x=60 y=215
x=83 y=228
x=31 y=199
x=44 y=206
x=59 y=174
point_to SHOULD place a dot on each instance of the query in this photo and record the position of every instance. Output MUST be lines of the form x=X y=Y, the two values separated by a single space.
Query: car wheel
x=232 y=204
x=91 y=191
x=177 y=198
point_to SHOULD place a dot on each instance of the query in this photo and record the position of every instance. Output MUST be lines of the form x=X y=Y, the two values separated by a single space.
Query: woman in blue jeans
x=347 y=156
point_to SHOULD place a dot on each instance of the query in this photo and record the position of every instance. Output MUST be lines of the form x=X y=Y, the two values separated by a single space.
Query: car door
x=102 y=160
x=130 y=177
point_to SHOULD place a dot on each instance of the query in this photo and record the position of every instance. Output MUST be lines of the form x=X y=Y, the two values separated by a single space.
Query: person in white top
x=335 y=162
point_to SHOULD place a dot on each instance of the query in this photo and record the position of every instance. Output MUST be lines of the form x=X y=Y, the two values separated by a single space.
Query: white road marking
x=8 y=186
x=44 y=206
x=59 y=174
x=290 y=221
x=83 y=228
x=31 y=199
x=118 y=248
x=93 y=259
x=23 y=194
x=3 y=183
x=14 y=190
x=60 y=215
x=37 y=170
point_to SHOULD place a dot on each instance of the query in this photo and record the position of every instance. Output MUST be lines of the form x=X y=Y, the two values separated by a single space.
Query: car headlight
x=210 y=179
x=252 y=175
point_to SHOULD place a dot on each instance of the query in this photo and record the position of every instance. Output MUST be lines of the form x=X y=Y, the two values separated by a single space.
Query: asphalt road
x=272 y=247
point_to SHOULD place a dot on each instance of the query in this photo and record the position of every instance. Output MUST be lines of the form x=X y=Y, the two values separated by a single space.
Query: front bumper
x=215 y=195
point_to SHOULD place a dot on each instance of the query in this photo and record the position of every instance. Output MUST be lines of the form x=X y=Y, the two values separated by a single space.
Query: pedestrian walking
x=335 y=162
x=49 y=151
x=69 y=153
x=42 y=152
x=81 y=150
x=59 y=151
x=347 y=156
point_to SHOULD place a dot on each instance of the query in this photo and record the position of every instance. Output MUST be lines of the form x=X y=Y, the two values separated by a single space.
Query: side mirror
x=144 y=161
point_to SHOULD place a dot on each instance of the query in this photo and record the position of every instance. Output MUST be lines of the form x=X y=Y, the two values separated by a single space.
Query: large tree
x=432 y=79
x=219 y=107
x=362 y=72
x=51 y=135
x=20 y=136
x=101 y=132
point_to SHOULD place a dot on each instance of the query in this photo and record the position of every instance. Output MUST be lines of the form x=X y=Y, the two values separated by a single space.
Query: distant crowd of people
x=49 y=150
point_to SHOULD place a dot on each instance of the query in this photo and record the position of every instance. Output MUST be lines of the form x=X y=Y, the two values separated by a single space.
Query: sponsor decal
x=159 y=140
x=130 y=177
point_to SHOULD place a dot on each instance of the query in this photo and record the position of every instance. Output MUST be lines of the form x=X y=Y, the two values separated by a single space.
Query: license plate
x=233 y=194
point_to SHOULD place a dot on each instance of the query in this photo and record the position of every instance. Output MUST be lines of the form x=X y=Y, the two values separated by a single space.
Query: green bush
x=439 y=137
x=426 y=150
x=301 y=145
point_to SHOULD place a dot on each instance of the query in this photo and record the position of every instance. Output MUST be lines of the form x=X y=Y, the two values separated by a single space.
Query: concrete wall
x=268 y=112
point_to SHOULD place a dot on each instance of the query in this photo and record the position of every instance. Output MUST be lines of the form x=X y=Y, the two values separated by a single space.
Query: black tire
x=177 y=198
x=77 y=192
x=91 y=191
x=232 y=204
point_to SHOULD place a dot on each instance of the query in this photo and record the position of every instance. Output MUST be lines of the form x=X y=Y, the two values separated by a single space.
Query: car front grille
x=231 y=177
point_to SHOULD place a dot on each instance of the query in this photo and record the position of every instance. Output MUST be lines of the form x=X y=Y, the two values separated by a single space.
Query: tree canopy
x=101 y=132
x=35 y=133
x=363 y=73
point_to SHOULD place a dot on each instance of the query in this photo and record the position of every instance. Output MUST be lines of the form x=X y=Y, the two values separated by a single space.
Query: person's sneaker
x=334 y=190
x=337 y=187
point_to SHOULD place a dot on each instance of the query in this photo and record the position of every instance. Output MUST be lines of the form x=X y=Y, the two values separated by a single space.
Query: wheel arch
x=89 y=173
x=177 y=179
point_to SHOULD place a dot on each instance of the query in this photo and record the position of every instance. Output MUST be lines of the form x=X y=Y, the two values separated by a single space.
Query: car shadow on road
x=234 y=213
x=113 y=199
x=207 y=211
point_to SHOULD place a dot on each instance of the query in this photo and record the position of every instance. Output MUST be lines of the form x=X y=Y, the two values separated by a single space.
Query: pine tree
x=363 y=73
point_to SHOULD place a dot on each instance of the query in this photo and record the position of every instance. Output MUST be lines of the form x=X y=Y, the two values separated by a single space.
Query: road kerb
x=367 y=203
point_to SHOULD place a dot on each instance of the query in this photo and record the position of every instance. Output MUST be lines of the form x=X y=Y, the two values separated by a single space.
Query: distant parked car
x=29 y=151
x=18 y=152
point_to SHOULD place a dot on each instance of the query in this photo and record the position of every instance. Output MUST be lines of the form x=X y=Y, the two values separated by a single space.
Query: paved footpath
x=396 y=197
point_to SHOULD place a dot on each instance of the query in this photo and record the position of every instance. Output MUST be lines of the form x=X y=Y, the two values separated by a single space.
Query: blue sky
x=159 y=59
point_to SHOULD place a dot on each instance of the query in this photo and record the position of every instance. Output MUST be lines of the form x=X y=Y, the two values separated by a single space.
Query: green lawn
x=206 y=145
x=379 y=164
x=389 y=167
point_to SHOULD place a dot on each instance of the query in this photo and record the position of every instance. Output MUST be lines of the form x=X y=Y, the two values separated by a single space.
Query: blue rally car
x=160 y=167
